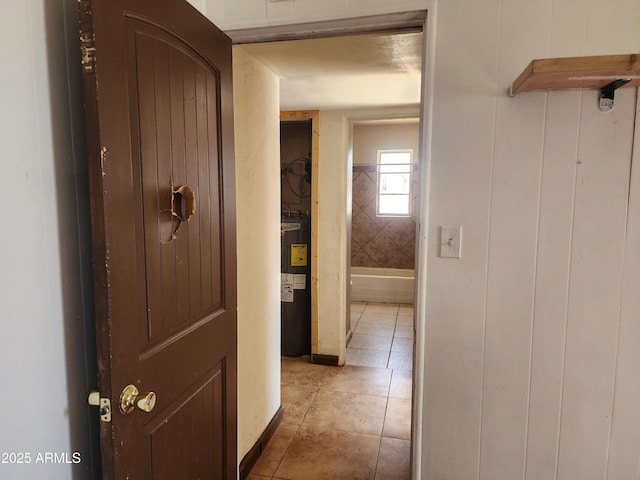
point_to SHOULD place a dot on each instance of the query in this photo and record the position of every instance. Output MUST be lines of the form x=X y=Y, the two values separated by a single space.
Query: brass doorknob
x=132 y=398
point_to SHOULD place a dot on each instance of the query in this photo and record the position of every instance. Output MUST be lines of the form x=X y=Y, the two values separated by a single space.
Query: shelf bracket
x=607 y=93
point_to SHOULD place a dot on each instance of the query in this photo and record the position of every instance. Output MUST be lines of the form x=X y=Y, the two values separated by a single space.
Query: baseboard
x=254 y=453
x=331 y=360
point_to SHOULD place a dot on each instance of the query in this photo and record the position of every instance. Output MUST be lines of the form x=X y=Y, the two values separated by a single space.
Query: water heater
x=295 y=287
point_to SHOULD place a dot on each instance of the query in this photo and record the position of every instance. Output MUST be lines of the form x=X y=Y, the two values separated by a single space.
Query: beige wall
x=368 y=139
x=257 y=145
x=332 y=212
x=530 y=340
x=200 y=5
x=334 y=176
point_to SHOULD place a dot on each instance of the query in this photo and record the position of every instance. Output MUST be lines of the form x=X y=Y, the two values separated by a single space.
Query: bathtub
x=389 y=285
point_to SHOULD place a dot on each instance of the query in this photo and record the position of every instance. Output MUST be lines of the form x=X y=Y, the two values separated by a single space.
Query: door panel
x=190 y=258
x=173 y=451
x=158 y=103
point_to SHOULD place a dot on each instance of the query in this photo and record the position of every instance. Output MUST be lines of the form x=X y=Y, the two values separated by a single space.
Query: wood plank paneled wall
x=550 y=360
x=529 y=357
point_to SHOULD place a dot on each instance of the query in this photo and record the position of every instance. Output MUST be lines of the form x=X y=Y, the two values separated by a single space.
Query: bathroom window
x=394 y=183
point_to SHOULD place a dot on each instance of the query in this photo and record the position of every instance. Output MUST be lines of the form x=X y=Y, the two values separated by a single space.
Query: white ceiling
x=357 y=71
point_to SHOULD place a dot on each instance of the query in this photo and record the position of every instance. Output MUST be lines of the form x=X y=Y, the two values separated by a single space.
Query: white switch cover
x=451 y=241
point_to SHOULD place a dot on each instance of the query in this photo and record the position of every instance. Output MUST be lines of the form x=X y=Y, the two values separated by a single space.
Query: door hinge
x=104 y=405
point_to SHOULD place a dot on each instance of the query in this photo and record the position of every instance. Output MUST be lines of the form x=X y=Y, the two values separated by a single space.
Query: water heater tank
x=295 y=287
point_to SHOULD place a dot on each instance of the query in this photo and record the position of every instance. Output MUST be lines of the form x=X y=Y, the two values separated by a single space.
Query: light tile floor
x=351 y=422
x=382 y=335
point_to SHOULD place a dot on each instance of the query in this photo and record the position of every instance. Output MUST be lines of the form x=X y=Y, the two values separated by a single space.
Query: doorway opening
x=383 y=243
x=316 y=386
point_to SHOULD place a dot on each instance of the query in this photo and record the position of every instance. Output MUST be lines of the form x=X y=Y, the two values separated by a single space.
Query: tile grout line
x=322 y=385
x=392 y=371
x=384 y=419
x=286 y=450
x=299 y=426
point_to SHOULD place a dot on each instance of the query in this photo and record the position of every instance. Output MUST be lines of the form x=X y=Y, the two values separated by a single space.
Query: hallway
x=351 y=422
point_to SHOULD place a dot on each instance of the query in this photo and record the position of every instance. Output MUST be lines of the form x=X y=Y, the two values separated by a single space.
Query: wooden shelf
x=578 y=72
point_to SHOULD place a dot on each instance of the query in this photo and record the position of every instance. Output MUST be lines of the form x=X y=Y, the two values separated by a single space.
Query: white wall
x=527 y=356
x=530 y=368
x=258 y=13
x=257 y=147
x=45 y=286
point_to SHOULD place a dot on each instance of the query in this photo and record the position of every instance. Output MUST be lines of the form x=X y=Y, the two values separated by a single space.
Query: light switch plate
x=451 y=241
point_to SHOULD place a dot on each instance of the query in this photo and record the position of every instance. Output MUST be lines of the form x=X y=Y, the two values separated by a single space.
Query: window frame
x=379 y=194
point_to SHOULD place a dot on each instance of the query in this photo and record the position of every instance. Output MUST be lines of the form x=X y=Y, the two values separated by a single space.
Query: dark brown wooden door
x=158 y=103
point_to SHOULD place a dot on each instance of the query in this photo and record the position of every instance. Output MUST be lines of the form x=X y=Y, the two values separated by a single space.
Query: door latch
x=104 y=405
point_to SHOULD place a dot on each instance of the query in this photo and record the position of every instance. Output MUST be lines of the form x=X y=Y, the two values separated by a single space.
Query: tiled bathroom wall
x=382 y=242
